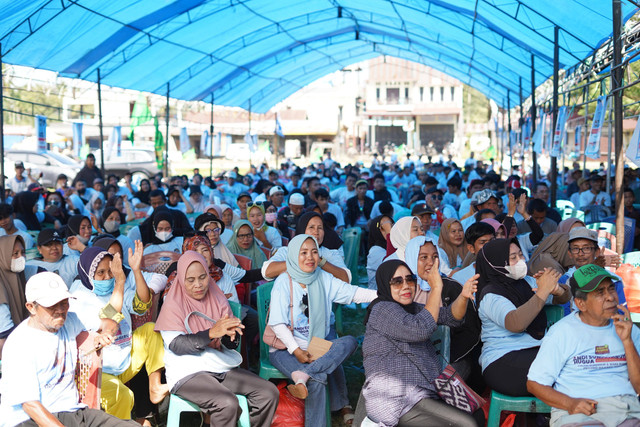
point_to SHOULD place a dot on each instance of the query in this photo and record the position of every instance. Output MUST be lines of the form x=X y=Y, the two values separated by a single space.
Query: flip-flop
x=298 y=390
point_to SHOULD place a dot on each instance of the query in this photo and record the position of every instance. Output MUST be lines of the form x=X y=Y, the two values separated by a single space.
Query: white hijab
x=401 y=234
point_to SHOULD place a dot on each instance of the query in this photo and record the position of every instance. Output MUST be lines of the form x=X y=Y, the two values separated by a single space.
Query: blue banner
x=184 y=140
x=78 y=140
x=41 y=133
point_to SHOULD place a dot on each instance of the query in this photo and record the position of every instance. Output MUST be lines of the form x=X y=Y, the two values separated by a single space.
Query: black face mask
x=81 y=192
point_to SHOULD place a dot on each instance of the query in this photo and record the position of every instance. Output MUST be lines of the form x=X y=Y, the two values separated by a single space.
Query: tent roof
x=259 y=52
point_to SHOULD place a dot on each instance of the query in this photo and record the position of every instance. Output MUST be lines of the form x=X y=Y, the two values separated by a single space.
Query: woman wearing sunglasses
x=313 y=291
x=267 y=236
x=399 y=360
x=244 y=243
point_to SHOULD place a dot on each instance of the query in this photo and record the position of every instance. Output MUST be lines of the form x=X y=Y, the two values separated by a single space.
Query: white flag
x=558 y=136
x=593 y=143
x=537 y=136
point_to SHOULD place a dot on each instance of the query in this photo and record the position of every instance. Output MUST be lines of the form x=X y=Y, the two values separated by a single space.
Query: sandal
x=347 y=415
x=298 y=390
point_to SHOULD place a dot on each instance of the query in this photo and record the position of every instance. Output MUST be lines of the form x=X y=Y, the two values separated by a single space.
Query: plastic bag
x=290 y=412
x=630 y=276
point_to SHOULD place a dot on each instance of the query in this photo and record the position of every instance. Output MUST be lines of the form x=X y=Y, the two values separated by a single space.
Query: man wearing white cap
x=39 y=363
x=276 y=196
x=288 y=216
x=232 y=188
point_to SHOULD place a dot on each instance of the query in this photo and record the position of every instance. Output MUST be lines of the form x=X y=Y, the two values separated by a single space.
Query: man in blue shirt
x=588 y=367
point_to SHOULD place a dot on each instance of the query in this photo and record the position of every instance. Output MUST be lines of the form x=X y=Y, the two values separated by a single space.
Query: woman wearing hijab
x=552 y=252
x=56 y=206
x=566 y=225
x=402 y=231
x=331 y=255
x=400 y=362
x=123 y=205
x=452 y=245
x=78 y=234
x=25 y=208
x=163 y=238
x=313 y=291
x=266 y=235
x=214 y=228
x=200 y=333
x=96 y=204
x=512 y=316
x=379 y=229
x=110 y=221
x=141 y=199
x=12 y=284
x=102 y=302
x=243 y=243
x=421 y=256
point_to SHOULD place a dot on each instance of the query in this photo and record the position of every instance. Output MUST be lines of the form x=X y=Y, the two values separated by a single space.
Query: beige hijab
x=12 y=285
x=552 y=252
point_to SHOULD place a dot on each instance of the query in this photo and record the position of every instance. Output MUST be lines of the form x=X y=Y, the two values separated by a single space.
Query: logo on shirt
x=602 y=349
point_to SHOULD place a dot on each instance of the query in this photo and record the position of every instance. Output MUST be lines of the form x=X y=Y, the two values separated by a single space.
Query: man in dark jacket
x=89 y=172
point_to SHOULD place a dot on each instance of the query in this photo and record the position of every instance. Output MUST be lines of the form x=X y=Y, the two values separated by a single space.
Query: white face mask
x=164 y=235
x=518 y=271
x=17 y=264
x=111 y=226
x=83 y=240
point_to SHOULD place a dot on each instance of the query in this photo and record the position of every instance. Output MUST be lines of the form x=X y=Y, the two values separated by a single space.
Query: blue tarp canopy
x=261 y=51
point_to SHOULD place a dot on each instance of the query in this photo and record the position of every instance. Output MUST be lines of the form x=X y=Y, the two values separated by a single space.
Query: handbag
x=455 y=392
x=269 y=336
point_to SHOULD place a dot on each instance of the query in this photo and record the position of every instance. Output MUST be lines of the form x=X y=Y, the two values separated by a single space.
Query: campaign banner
x=184 y=140
x=577 y=142
x=536 y=139
x=205 y=144
x=115 y=141
x=633 y=151
x=77 y=138
x=558 y=135
x=593 y=143
x=41 y=133
x=526 y=133
x=252 y=141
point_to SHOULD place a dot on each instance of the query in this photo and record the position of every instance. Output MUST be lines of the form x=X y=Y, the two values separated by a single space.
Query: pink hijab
x=496 y=225
x=178 y=304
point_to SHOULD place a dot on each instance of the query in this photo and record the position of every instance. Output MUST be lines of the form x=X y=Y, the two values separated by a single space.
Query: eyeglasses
x=212 y=230
x=436 y=196
x=305 y=304
x=410 y=279
x=245 y=236
x=587 y=251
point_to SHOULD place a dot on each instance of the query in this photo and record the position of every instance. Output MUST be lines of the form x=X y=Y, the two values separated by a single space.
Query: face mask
x=270 y=217
x=17 y=264
x=164 y=235
x=111 y=226
x=518 y=271
x=83 y=240
x=103 y=287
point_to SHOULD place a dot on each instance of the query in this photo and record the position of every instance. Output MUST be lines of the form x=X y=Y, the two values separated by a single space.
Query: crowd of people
x=442 y=245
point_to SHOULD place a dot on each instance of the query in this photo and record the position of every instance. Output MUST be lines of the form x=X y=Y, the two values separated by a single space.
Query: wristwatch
x=322 y=262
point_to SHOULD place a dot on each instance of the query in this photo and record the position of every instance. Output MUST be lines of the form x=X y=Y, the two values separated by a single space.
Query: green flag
x=139 y=115
x=159 y=144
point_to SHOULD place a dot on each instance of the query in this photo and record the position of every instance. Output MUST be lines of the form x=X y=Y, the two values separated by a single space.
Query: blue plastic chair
x=351 y=248
x=501 y=402
x=178 y=405
x=629 y=231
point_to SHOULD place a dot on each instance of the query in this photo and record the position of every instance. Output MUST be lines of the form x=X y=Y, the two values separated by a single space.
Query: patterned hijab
x=192 y=243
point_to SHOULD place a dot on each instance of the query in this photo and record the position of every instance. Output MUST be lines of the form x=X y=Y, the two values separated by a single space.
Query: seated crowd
x=164 y=274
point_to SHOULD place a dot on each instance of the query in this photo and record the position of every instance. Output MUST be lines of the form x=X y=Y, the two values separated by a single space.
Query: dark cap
x=48 y=235
x=195 y=189
x=431 y=181
x=19 y=165
x=243 y=194
x=588 y=277
x=34 y=187
x=421 y=209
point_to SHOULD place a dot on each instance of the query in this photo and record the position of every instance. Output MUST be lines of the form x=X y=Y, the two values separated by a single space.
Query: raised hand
x=623 y=323
x=135 y=256
x=511 y=205
x=116 y=268
x=74 y=243
x=470 y=287
x=433 y=276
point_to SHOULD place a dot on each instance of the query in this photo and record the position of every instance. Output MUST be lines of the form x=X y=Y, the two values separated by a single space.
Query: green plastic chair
x=31 y=253
x=501 y=402
x=178 y=405
x=632 y=258
x=603 y=226
x=351 y=248
x=573 y=213
x=562 y=204
x=267 y=370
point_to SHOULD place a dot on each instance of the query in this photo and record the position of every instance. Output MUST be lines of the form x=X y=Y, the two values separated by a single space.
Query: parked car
x=140 y=162
x=49 y=163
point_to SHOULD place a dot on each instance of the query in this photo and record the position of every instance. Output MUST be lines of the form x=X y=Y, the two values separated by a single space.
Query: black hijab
x=491 y=265
x=383 y=275
x=23 y=204
x=106 y=213
x=375 y=235
x=73 y=225
x=104 y=241
x=143 y=196
x=331 y=239
x=161 y=216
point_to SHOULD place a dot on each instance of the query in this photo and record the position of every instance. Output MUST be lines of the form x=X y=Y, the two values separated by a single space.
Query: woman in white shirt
x=313 y=291
x=379 y=229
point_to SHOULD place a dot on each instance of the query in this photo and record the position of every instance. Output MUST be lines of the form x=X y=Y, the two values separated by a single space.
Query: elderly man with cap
x=19 y=182
x=276 y=196
x=588 y=367
x=485 y=199
x=39 y=361
x=52 y=257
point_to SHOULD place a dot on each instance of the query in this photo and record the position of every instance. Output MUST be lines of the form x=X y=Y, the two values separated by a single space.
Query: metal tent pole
x=166 y=143
x=534 y=156
x=616 y=83
x=2 y=196
x=250 y=137
x=509 y=131
x=585 y=132
x=100 y=123
x=522 y=123
x=556 y=70
x=211 y=139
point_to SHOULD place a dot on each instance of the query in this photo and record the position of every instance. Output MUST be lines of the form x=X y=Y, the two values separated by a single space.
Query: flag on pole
x=205 y=143
x=252 y=141
x=593 y=143
x=217 y=144
x=577 y=142
x=41 y=132
x=140 y=115
x=526 y=133
x=558 y=135
x=77 y=138
x=279 y=131
x=158 y=144
x=184 y=140
x=537 y=136
x=115 y=140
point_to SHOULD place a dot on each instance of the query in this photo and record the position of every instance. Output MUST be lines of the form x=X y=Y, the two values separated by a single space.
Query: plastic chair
x=245 y=263
x=178 y=405
x=267 y=370
x=573 y=213
x=562 y=204
x=604 y=226
x=88 y=370
x=351 y=247
x=632 y=258
x=31 y=253
x=629 y=231
x=501 y=402
x=159 y=262
x=266 y=252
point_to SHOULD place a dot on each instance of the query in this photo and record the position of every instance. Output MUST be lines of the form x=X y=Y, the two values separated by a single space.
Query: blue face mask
x=103 y=287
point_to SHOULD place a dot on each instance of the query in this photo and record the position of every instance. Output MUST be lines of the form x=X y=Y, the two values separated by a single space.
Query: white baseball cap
x=275 y=189
x=296 y=199
x=46 y=289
